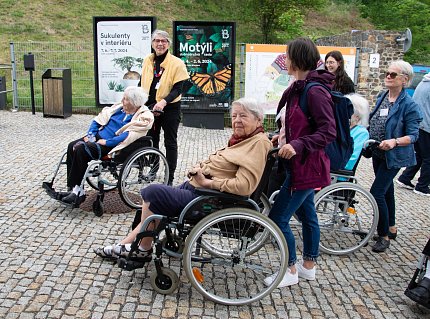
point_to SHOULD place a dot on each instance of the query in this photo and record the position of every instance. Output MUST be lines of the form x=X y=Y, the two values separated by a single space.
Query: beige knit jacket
x=237 y=169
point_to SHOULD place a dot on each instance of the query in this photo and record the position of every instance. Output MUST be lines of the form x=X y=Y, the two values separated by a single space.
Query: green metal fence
x=76 y=56
x=79 y=57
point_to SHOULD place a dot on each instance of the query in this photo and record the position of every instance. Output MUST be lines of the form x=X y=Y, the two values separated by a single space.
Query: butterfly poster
x=208 y=51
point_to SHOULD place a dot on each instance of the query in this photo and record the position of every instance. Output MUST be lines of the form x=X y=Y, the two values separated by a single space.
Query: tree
x=399 y=15
x=276 y=15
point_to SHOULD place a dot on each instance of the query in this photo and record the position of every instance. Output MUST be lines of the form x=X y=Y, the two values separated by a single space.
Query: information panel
x=266 y=77
x=120 y=44
x=208 y=50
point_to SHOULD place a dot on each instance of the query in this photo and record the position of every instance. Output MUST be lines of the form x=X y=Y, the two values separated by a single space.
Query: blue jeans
x=383 y=191
x=300 y=202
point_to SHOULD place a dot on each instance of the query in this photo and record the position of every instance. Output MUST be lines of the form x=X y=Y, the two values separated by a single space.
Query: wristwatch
x=397 y=142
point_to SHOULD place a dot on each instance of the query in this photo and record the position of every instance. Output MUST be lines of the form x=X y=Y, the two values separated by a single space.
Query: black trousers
x=169 y=122
x=422 y=152
x=78 y=156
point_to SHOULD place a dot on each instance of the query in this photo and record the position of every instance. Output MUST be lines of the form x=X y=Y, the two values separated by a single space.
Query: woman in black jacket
x=335 y=64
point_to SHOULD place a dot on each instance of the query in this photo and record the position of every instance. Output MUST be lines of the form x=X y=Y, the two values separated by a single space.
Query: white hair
x=136 y=96
x=406 y=69
x=361 y=109
x=251 y=105
x=162 y=34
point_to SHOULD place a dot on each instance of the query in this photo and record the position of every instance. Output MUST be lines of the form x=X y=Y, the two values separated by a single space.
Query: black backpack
x=340 y=150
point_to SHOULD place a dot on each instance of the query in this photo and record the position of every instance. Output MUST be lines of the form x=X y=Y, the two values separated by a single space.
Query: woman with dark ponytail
x=335 y=64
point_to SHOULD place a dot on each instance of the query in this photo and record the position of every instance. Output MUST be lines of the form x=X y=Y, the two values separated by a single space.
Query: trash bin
x=57 y=92
x=3 y=96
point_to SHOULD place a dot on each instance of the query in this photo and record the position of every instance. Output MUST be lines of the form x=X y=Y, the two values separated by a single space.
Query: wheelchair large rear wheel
x=142 y=168
x=236 y=279
x=348 y=216
x=260 y=237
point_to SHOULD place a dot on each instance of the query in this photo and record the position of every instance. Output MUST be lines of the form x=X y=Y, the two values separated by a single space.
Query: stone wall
x=370 y=80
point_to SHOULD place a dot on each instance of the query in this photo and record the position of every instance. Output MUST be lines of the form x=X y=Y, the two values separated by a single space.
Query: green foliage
x=272 y=14
x=402 y=14
x=17 y=14
x=290 y=25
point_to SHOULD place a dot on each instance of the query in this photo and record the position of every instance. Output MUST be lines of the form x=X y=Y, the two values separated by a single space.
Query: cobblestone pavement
x=48 y=269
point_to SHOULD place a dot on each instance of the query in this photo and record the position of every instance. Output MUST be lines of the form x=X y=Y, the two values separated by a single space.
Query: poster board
x=266 y=77
x=208 y=51
x=120 y=44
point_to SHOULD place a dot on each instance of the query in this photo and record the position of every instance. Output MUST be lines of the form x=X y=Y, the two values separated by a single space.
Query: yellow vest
x=174 y=71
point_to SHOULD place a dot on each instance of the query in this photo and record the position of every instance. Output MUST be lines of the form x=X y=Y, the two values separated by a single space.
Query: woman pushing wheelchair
x=234 y=169
x=111 y=130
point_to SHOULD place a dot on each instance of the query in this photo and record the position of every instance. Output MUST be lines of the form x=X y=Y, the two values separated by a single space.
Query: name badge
x=383 y=112
x=157 y=86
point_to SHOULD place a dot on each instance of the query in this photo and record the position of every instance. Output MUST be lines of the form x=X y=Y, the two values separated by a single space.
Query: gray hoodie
x=422 y=98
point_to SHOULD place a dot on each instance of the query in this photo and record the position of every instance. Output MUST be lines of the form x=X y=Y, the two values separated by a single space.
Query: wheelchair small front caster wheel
x=98 y=208
x=166 y=282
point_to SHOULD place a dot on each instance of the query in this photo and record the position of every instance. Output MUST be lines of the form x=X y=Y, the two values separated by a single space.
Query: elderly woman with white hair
x=358 y=125
x=235 y=169
x=394 y=122
x=113 y=129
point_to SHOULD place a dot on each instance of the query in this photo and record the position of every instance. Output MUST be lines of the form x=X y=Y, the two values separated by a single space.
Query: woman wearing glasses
x=394 y=121
x=163 y=75
x=335 y=64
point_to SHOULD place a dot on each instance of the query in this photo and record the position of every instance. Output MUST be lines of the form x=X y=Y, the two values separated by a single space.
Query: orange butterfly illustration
x=211 y=84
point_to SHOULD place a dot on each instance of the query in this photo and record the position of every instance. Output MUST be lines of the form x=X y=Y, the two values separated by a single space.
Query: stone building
x=388 y=44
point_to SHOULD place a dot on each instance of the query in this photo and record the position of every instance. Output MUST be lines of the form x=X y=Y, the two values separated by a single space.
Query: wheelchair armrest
x=121 y=155
x=343 y=172
x=145 y=138
x=215 y=193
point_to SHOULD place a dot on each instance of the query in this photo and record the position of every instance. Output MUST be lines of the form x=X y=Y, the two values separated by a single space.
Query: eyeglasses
x=162 y=41
x=330 y=62
x=393 y=75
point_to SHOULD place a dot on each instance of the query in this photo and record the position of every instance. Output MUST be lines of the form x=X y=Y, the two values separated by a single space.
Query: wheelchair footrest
x=129 y=265
x=50 y=190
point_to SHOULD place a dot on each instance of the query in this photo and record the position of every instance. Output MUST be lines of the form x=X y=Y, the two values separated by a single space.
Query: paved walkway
x=48 y=269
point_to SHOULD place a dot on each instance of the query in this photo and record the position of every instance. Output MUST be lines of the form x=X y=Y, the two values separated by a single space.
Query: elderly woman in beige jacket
x=112 y=129
x=236 y=168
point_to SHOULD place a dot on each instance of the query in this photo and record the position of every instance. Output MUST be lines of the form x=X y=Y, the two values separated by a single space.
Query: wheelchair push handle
x=151 y=108
x=274 y=151
x=370 y=143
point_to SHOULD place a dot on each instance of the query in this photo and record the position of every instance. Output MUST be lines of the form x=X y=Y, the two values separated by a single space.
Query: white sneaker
x=288 y=280
x=308 y=274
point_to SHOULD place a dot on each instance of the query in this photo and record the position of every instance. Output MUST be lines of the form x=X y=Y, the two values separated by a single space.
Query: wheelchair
x=226 y=244
x=129 y=170
x=419 y=274
x=347 y=213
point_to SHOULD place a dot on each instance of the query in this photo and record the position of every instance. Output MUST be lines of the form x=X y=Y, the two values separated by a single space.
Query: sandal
x=105 y=252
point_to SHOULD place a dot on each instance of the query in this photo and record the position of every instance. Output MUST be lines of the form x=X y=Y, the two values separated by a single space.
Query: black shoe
x=421 y=293
x=61 y=195
x=73 y=199
x=405 y=184
x=381 y=245
x=422 y=191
